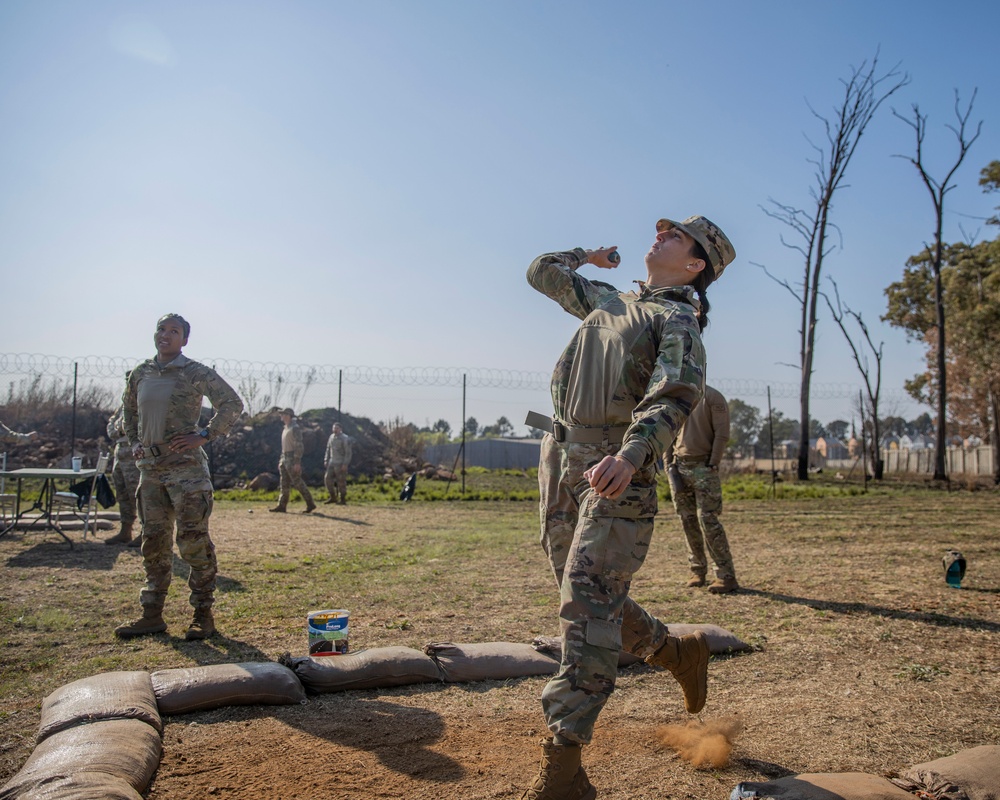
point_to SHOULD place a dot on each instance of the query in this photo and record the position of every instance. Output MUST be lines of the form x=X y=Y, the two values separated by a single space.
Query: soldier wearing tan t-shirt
x=697 y=491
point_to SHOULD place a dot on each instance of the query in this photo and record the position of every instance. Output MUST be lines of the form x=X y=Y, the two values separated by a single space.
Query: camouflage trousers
x=125 y=476
x=594 y=547
x=291 y=480
x=176 y=489
x=336 y=481
x=697 y=497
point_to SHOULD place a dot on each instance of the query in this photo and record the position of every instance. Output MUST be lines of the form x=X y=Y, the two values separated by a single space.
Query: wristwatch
x=203 y=433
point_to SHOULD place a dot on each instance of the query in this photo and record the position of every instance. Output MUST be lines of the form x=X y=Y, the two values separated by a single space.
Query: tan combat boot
x=686 y=658
x=136 y=542
x=150 y=622
x=724 y=585
x=561 y=777
x=696 y=580
x=202 y=626
x=124 y=536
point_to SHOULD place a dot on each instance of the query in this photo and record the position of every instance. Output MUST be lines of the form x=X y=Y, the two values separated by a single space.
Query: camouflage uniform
x=125 y=473
x=176 y=487
x=291 y=457
x=636 y=362
x=336 y=461
x=695 y=486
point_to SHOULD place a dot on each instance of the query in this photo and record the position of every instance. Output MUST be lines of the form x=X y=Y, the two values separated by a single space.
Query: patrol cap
x=286 y=411
x=715 y=243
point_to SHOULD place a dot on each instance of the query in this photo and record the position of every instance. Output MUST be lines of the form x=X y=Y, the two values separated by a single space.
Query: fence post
x=72 y=445
x=463 y=432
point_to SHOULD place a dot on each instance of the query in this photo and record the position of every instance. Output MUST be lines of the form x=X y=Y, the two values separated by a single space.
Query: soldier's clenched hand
x=603 y=257
x=610 y=477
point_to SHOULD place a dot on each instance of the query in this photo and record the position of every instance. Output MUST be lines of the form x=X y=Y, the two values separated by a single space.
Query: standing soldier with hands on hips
x=621 y=391
x=696 y=490
x=162 y=409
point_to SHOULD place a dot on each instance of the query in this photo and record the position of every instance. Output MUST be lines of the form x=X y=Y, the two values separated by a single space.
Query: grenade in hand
x=613 y=257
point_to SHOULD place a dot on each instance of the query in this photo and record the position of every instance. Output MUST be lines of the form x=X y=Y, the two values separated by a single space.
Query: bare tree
x=864 y=91
x=938 y=190
x=873 y=383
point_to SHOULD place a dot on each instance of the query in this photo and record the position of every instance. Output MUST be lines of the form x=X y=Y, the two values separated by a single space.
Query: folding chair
x=7 y=501
x=75 y=501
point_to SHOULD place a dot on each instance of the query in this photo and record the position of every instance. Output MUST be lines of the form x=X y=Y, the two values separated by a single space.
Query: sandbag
x=822 y=786
x=972 y=774
x=720 y=641
x=110 y=695
x=127 y=750
x=79 y=786
x=489 y=661
x=181 y=691
x=365 y=669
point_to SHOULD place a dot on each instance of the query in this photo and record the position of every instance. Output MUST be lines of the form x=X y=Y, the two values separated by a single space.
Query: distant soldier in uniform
x=125 y=475
x=162 y=408
x=693 y=472
x=339 y=448
x=290 y=465
x=621 y=390
x=7 y=436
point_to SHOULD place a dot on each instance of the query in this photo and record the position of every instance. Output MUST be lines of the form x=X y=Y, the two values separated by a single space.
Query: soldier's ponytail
x=701 y=284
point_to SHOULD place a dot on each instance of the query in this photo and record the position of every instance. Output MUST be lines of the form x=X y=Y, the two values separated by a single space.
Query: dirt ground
x=864 y=660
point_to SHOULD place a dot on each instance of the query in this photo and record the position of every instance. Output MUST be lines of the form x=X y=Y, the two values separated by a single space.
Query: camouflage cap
x=286 y=411
x=716 y=244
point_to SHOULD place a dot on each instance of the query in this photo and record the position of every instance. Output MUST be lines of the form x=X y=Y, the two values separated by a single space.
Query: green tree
x=471 y=427
x=744 y=426
x=783 y=431
x=442 y=426
x=970 y=280
x=500 y=429
x=989 y=179
x=838 y=429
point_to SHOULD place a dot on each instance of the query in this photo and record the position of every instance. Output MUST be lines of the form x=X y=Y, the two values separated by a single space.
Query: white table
x=43 y=503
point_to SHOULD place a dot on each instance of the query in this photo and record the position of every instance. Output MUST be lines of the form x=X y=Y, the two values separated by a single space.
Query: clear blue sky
x=365 y=183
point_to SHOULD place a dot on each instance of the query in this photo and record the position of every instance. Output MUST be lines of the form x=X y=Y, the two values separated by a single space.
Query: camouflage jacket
x=637 y=360
x=338 y=449
x=292 y=446
x=189 y=382
x=116 y=433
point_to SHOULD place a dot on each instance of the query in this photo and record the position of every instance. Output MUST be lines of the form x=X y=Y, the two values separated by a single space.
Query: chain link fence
x=70 y=399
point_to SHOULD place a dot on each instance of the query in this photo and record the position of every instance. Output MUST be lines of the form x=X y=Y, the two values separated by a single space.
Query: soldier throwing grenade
x=621 y=389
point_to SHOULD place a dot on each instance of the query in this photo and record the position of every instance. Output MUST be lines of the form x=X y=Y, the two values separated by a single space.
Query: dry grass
x=865 y=660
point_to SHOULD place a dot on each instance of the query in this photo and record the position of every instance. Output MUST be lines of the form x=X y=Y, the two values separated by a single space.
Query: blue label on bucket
x=328 y=632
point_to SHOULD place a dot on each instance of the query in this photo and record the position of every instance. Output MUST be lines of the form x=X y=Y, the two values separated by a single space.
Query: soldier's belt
x=578 y=434
x=158 y=450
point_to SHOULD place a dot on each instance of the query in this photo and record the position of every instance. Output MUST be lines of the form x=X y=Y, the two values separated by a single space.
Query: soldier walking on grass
x=622 y=390
x=125 y=475
x=338 y=457
x=696 y=490
x=162 y=409
x=290 y=465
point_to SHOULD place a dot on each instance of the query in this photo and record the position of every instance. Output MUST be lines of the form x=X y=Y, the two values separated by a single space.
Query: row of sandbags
x=972 y=774
x=99 y=737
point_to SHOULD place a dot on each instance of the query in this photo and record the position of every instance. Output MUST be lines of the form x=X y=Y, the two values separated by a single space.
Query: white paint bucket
x=327 y=632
